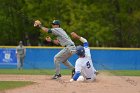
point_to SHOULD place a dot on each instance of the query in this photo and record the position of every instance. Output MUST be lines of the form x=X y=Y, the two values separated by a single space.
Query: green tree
x=108 y=23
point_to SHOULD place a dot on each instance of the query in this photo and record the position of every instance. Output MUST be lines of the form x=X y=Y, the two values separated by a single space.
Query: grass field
x=122 y=72
x=13 y=84
x=33 y=71
x=65 y=72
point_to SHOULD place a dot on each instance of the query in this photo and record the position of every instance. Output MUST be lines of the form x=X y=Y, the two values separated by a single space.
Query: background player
x=65 y=41
x=20 y=53
x=84 y=70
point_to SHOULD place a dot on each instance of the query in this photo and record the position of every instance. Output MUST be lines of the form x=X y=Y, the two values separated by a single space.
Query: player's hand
x=74 y=35
x=37 y=23
x=71 y=80
x=56 y=42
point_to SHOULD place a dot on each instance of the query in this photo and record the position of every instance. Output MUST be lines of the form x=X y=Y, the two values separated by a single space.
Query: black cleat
x=73 y=72
x=56 y=76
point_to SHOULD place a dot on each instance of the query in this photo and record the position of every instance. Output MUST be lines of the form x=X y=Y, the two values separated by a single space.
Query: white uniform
x=84 y=65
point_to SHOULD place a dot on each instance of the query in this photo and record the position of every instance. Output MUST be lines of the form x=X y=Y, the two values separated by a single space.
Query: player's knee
x=56 y=59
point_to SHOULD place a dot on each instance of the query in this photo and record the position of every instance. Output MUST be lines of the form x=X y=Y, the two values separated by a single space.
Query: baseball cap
x=80 y=51
x=56 y=22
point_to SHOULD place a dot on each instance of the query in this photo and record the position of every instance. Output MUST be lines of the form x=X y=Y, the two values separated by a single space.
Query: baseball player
x=64 y=40
x=84 y=70
x=20 y=53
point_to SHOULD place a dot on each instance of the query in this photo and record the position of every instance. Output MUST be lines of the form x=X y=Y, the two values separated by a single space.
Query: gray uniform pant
x=63 y=56
x=20 y=61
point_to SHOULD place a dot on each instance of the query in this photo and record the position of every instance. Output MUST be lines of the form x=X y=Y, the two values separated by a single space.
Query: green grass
x=33 y=71
x=122 y=72
x=4 y=85
x=65 y=72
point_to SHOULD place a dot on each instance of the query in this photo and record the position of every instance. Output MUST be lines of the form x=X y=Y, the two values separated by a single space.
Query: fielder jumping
x=65 y=41
x=84 y=70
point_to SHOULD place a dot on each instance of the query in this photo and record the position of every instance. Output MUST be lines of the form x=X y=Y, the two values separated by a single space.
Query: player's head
x=56 y=23
x=80 y=51
x=20 y=43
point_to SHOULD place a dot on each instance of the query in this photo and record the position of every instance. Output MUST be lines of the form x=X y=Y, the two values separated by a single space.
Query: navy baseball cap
x=56 y=22
x=80 y=51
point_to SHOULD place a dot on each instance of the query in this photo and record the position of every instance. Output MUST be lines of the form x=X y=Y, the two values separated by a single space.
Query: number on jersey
x=88 y=65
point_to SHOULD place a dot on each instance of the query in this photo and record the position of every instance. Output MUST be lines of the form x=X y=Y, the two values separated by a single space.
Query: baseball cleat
x=73 y=72
x=56 y=76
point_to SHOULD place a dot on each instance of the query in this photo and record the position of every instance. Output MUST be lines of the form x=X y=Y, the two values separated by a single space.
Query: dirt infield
x=103 y=84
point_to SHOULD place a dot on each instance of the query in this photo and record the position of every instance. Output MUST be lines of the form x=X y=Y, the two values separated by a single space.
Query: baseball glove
x=37 y=23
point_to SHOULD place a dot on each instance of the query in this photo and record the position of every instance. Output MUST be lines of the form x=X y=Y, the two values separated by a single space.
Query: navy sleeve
x=85 y=44
x=49 y=31
x=76 y=75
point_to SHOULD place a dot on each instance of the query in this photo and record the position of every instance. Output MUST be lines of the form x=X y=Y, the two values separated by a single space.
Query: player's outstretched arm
x=37 y=23
x=76 y=36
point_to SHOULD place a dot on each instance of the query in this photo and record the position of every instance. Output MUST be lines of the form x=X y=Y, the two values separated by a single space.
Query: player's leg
x=57 y=60
x=68 y=52
x=72 y=50
x=57 y=67
x=22 y=61
x=70 y=66
x=62 y=56
x=18 y=63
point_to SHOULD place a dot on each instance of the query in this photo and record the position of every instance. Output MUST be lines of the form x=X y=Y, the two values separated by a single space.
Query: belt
x=88 y=78
x=68 y=45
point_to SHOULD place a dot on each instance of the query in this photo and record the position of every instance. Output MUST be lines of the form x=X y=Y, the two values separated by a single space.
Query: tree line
x=105 y=23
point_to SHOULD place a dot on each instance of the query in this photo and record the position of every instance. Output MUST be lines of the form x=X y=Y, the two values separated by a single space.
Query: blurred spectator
x=48 y=41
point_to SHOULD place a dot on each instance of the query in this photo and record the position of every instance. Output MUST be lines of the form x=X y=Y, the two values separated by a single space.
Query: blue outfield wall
x=103 y=58
x=116 y=59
